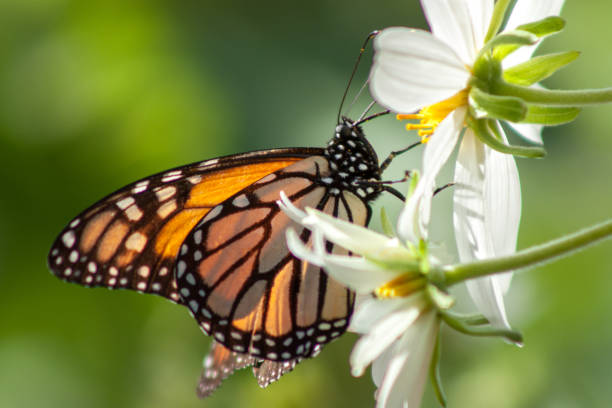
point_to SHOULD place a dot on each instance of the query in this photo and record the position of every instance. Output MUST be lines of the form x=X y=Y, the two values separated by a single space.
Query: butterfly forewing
x=235 y=273
x=130 y=239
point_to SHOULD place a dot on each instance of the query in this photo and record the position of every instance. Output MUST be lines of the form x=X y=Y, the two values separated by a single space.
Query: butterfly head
x=353 y=160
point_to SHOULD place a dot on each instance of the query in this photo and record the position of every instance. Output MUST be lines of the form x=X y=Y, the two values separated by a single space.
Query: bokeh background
x=96 y=94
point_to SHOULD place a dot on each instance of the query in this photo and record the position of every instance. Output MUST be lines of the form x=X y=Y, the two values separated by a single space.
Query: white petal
x=502 y=205
x=382 y=334
x=351 y=236
x=288 y=208
x=301 y=251
x=371 y=310
x=379 y=366
x=413 y=69
x=408 y=368
x=414 y=218
x=475 y=219
x=527 y=11
x=357 y=273
x=462 y=24
x=529 y=131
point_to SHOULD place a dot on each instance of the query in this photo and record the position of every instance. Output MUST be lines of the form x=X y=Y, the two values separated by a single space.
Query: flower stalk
x=549 y=251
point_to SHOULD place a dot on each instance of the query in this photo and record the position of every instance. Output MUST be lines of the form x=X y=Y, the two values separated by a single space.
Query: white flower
x=399 y=326
x=414 y=69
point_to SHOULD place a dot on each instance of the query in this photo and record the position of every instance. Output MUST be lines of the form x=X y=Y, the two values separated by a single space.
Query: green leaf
x=386 y=223
x=541 y=28
x=550 y=115
x=538 y=68
x=486 y=105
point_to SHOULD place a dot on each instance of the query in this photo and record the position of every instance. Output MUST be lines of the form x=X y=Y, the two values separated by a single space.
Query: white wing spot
x=235 y=335
x=166 y=209
x=112 y=281
x=156 y=286
x=340 y=323
x=144 y=271
x=286 y=355
x=185 y=292
x=136 y=242
x=272 y=356
x=165 y=193
x=141 y=285
x=58 y=260
x=210 y=162
x=140 y=187
x=197 y=237
x=73 y=257
x=75 y=223
x=362 y=166
x=219 y=336
x=171 y=176
x=184 y=249
x=270 y=342
x=133 y=213
x=321 y=339
x=180 y=269
x=206 y=313
x=193 y=304
x=67 y=271
x=241 y=201
x=212 y=213
x=201 y=293
x=197 y=255
x=92 y=267
x=288 y=341
x=68 y=239
x=324 y=326
x=194 y=179
x=89 y=279
x=163 y=271
x=112 y=271
x=190 y=279
x=123 y=281
x=125 y=203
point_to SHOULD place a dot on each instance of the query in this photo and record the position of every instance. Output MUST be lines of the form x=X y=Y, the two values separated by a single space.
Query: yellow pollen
x=431 y=116
x=401 y=286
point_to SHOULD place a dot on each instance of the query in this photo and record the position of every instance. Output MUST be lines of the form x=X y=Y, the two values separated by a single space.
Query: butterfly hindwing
x=238 y=278
x=129 y=240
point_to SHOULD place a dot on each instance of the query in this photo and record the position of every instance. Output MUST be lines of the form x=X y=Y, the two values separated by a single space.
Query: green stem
x=499 y=13
x=531 y=256
x=434 y=373
x=554 y=97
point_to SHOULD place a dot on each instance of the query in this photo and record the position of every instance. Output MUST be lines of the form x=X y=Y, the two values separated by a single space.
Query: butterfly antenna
x=361 y=51
x=373 y=116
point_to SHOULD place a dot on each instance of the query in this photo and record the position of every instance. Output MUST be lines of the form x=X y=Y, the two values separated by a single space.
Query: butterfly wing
x=238 y=278
x=130 y=239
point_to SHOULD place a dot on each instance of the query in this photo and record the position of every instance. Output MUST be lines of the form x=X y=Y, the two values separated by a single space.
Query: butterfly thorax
x=353 y=162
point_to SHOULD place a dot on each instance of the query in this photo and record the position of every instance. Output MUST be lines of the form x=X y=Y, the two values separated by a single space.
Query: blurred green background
x=96 y=94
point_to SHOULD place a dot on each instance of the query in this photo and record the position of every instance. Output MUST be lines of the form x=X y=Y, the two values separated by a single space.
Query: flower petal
x=371 y=310
x=527 y=11
x=471 y=230
x=357 y=273
x=408 y=368
x=386 y=330
x=351 y=236
x=529 y=131
x=414 y=218
x=502 y=205
x=413 y=69
x=462 y=24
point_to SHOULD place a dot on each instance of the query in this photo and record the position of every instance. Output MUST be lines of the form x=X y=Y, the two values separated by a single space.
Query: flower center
x=431 y=116
x=401 y=286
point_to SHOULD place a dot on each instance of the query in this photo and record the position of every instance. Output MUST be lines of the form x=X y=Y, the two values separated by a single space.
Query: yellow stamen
x=431 y=116
x=401 y=286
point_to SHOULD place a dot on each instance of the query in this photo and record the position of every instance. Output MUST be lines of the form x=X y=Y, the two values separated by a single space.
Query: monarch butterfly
x=210 y=236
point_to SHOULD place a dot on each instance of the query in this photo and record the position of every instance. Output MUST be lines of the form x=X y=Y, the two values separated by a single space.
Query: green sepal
x=488 y=134
x=486 y=105
x=541 y=28
x=512 y=39
x=410 y=267
x=481 y=331
x=441 y=299
x=550 y=115
x=546 y=26
x=434 y=372
x=538 y=68
x=386 y=223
